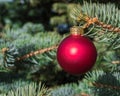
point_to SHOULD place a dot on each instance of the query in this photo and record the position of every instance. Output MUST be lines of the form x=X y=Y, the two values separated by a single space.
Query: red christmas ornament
x=76 y=54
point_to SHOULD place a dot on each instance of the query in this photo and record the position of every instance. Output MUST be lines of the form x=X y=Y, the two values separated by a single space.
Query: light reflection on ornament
x=73 y=51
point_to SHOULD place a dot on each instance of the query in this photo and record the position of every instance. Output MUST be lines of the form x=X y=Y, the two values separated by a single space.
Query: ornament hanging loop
x=76 y=30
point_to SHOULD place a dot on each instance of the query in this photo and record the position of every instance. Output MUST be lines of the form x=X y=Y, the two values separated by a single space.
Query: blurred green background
x=52 y=14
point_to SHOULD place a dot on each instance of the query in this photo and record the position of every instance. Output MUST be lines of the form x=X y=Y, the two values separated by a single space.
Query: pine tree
x=28 y=55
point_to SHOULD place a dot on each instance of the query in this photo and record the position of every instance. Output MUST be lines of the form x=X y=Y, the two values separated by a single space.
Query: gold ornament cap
x=76 y=30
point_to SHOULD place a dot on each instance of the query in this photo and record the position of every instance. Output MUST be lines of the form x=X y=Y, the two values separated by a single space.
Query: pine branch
x=102 y=82
x=88 y=11
x=102 y=21
x=30 y=89
x=10 y=58
x=19 y=42
x=89 y=21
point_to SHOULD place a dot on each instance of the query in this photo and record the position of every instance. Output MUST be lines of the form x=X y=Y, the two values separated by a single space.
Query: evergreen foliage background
x=29 y=25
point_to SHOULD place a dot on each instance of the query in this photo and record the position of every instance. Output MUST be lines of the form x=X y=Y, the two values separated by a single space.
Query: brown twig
x=106 y=86
x=116 y=62
x=82 y=94
x=40 y=51
x=4 y=50
x=108 y=26
x=95 y=20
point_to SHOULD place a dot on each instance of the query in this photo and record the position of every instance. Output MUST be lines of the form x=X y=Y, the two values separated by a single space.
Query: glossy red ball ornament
x=76 y=54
